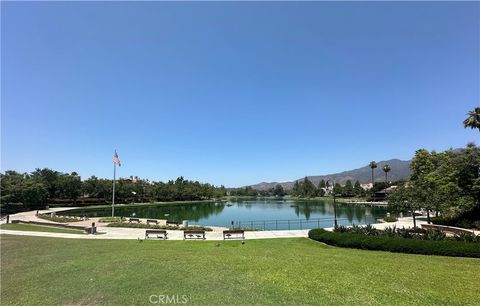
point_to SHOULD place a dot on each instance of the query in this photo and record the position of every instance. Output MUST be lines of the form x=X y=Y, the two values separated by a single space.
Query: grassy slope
x=38 y=228
x=47 y=271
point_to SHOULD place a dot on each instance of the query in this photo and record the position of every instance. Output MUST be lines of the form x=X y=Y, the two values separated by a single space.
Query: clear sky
x=234 y=93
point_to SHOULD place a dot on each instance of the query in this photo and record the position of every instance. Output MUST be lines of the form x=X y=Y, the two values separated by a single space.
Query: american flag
x=116 y=159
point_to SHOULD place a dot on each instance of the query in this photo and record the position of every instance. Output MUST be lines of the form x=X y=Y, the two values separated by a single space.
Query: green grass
x=53 y=271
x=39 y=228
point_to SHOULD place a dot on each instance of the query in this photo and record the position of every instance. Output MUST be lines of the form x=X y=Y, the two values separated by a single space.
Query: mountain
x=400 y=170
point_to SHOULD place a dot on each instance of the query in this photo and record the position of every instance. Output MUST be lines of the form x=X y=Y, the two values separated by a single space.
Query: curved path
x=138 y=233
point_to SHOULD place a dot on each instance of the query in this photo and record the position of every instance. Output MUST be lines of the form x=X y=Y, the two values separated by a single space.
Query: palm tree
x=372 y=165
x=386 y=169
x=473 y=120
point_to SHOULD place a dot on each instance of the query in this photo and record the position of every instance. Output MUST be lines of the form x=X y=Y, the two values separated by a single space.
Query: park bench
x=159 y=233
x=231 y=234
x=172 y=223
x=130 y=220
x=194 y=234
x=152 y=221
x=447 y=229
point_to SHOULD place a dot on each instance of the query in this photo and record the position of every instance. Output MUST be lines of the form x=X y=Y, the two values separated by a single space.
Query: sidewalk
x=138 y=233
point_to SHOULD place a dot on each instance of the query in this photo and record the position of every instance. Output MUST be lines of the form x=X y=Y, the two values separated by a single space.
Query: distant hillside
x=400 y=170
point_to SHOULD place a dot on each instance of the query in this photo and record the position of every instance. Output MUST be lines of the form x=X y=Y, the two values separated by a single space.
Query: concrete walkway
x=138 y=233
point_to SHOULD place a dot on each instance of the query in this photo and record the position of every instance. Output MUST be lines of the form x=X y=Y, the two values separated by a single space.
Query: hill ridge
x=400 y=170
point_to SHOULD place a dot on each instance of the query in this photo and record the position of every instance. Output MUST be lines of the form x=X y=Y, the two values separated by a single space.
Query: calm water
x=262 y=214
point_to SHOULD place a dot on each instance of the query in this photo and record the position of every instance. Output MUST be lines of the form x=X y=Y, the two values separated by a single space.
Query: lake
x=268 y=214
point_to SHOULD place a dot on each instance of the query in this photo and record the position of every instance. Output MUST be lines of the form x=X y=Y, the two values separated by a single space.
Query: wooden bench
x=231 y=234
x=194 y=234
x=444 y=228
x=172 y=223
x=130 y=220
x=152 y=221
x=159 y=233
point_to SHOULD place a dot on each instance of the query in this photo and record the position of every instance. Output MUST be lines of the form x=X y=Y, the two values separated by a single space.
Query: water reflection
x=222 y=214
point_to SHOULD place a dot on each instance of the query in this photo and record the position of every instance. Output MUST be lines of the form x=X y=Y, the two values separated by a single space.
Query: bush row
x=412 y=233
x=59 y=219
x=153 y=226
x=396 y=244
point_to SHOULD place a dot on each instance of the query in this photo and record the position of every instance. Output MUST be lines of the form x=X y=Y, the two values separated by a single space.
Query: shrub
x=59 y=219
x=153 y=226
x=390 y=219
x=341 y=229
x=390 y=231
x=396 y=244
x=110 y=219
x=467 y=237
x=434 y=235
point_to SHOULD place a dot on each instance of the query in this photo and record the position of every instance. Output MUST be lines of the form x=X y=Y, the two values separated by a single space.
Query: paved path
x=137 y=233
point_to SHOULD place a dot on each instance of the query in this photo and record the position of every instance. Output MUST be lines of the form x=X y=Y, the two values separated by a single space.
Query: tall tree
x=348 y=189
x=386 y=169
x=373 y=165
x=322 y=184
x=357 y=189
x=337 y=189
x=473 y=119
x=278 y=191
x=405 y=199
x=308 y=189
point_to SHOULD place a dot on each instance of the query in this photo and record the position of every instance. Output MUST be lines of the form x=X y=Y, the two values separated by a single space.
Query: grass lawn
x=54 y=271
x=39 y=228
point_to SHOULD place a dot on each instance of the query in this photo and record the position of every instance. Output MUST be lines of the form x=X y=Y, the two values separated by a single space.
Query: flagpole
x=113 y=194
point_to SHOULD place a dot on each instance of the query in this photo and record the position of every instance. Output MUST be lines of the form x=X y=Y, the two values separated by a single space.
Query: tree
x=296 y=189
x=386 y=169
x=337 y=189
x=348 y=188
x=69 y=186
x=321 y=188
x=405 y=199
x=278 y=191
x=448 y=182
x=357 y=189
x=473 y=119
x=49 y=178
x=308 y=189
x=322 y=184
x=373 y=165
x=34 y=194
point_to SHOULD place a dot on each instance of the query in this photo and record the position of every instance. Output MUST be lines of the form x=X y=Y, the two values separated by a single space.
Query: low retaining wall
x=445 y=228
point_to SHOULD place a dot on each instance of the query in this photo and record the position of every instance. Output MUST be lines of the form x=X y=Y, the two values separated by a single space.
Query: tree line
x=446 y=183
x=305 y=189
x=34 y=190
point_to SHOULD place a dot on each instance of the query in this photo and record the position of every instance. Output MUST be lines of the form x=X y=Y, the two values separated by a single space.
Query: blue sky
x=234 y=93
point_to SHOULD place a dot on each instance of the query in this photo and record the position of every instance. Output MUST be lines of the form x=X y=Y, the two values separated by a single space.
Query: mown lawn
x=54 y=271
x=39 y=228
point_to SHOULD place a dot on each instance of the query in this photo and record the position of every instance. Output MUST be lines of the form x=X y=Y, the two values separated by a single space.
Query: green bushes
x=151 y=226
x=109 y=219
x=59 y=219
x=390 y=219
x=396 y=244
x=411 y=233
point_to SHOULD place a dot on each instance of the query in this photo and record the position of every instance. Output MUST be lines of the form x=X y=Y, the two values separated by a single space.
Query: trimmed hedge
x=396 y=244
